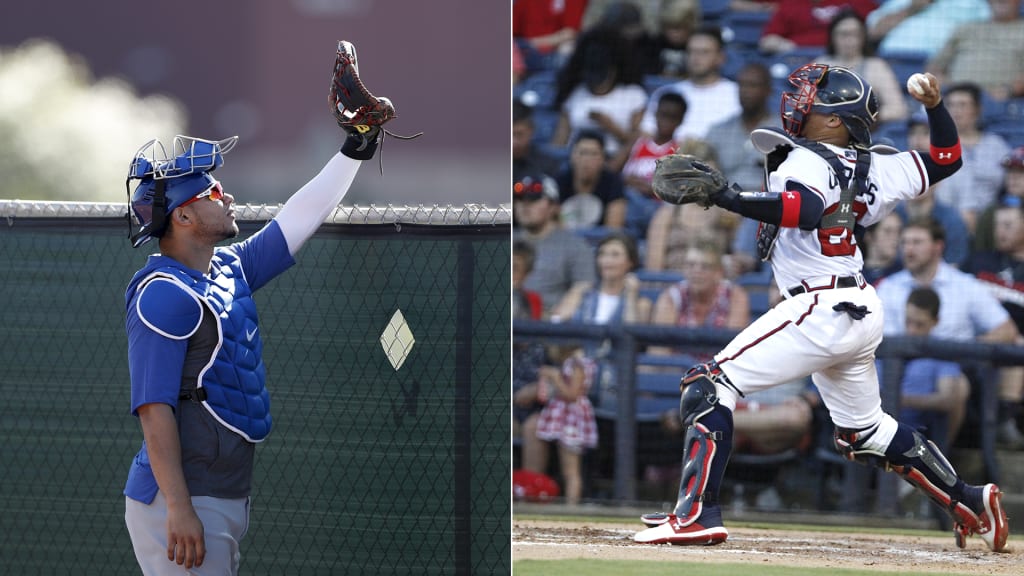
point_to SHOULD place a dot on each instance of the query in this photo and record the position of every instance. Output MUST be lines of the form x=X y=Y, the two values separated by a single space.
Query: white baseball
x=917 y=83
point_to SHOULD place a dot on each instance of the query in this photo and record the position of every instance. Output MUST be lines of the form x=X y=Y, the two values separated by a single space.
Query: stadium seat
x=594 y=234
x=545 y=121
x=681 y=361
x=713 y=11
x=892 y=134
x=905 y=63
x=658 y=276
x=757 y=284
x=738 y=57
x=1012 y=130
x=537 y=90
x=652 y=82
x=655 y=394
x=743 y=29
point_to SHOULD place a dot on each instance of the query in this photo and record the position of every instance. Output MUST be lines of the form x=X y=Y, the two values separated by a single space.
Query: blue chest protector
x=232 y=386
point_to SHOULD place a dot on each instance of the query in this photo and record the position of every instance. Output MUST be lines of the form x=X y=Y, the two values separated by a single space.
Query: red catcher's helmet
x=533 y=486
x=830 y=90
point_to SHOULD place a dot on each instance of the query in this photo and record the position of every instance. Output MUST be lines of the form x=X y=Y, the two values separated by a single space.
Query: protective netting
x=369 y=469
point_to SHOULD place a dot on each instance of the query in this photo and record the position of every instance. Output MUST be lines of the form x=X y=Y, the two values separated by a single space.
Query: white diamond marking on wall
x=397 y=340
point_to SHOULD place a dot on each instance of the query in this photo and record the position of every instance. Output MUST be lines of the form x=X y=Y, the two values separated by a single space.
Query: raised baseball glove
x=353 y=106
x=686 y=179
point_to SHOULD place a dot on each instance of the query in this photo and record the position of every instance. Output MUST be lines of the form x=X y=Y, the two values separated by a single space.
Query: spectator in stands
x=805 y=23
x=881 y=248
x=704 y=299
x=933 y=392
x=677 y=21
x=591 y=194
x=638 y=161
x=642 y=13
x=989 y=53
x=527 y=359
x=920 y=26
x=543 y=27
x=614 y=299
x=568 y=416
x=599 y=89
x=526 y=157
x=848 y=46
x=526 y=304
x=527 y=402
x=968 y=310
x=519 y=70
x=958 y=241
x=710 y=97
x=753 y=5
x=627 y=20
x=562 y=258
x=977 y=183
x=1012 y=194
x=674 y=228
x=1002 y=271
x=739 y=160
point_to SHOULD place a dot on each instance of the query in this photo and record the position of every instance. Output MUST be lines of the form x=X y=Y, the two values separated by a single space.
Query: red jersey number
x=837 y=241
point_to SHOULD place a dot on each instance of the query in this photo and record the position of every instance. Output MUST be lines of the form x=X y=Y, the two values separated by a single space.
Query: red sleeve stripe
x=790 y=209
x=945 y=156
x=920 y=171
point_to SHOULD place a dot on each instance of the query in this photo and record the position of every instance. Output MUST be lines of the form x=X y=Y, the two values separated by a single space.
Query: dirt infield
x=827 y=548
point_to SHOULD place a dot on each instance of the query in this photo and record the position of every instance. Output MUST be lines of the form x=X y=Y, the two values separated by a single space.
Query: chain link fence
x=369 y=469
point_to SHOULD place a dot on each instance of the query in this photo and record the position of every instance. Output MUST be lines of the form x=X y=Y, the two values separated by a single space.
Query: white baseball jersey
x=801 y=254
x=807 y=333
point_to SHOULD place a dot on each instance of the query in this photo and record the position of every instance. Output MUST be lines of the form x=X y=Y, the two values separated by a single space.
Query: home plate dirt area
x=828 y=547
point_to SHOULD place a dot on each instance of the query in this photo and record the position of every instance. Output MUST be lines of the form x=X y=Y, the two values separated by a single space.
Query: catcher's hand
x=355 y=109
x=686 y=179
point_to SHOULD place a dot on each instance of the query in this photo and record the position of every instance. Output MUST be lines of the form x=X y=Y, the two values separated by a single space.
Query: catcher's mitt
x=353 y=106
x=685 y=179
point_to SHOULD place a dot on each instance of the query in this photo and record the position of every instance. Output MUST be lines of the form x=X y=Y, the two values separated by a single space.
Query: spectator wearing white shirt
x=710 y=97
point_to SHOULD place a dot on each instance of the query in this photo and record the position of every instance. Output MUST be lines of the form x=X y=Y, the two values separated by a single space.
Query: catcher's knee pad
x=866 y=445
x=702 y=387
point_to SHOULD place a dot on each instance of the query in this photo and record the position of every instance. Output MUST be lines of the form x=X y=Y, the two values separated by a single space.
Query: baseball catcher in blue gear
x=195 y=346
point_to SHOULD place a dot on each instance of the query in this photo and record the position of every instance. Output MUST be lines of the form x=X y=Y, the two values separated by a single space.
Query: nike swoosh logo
x=249 y=335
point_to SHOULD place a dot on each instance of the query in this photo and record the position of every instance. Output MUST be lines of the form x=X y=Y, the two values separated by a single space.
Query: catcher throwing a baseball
x=194 y=343
x=824 y=180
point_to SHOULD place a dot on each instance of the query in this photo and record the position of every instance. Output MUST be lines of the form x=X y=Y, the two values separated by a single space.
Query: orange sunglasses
x=215 y=193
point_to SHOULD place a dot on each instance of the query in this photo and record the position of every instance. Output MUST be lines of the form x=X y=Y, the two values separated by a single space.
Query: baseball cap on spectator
x=534 y=186
x=1015 y=159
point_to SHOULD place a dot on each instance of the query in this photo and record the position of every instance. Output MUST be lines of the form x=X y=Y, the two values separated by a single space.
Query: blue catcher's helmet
x=167 y=182
x=830 y=90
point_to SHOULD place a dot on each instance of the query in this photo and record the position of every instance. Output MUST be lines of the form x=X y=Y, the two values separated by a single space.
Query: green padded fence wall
x=369 y=469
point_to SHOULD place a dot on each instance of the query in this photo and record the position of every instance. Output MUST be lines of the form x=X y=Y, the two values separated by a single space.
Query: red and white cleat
x=993 y=527
x=673 y=531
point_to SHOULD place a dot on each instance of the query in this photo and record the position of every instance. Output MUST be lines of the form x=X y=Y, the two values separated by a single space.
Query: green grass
x=651 y=568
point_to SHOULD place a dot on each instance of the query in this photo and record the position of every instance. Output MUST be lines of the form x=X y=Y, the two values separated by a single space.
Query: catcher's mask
x=169 y=181
x=830 y=90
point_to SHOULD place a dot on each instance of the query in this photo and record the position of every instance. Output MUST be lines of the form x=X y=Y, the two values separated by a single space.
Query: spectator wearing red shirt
x=544 y=26
x=799 y=23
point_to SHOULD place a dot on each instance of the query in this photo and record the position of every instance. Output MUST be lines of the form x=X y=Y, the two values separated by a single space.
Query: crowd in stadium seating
x=603 y=88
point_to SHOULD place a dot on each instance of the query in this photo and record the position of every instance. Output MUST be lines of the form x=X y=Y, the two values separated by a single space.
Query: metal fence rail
x=628 y=339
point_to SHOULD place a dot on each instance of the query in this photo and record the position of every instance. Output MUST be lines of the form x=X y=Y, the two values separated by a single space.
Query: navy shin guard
x=707 y=451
